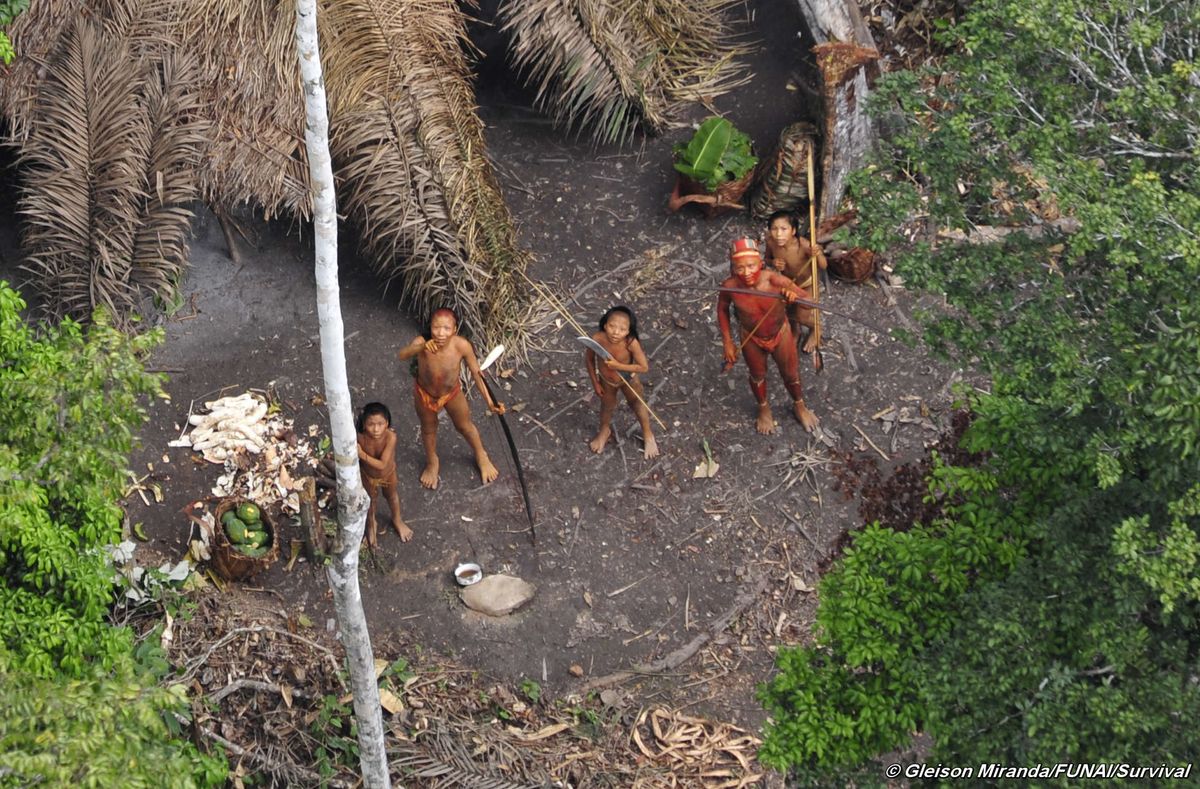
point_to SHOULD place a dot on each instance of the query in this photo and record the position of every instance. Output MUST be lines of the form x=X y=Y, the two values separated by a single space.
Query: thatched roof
x=202 y=100
x=111 y=139
x=409 y=147
x=251 y=88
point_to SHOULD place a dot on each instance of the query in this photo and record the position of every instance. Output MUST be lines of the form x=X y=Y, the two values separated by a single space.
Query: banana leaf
x=700 y=160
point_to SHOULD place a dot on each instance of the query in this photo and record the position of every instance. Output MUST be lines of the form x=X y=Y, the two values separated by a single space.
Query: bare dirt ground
x=634 y=559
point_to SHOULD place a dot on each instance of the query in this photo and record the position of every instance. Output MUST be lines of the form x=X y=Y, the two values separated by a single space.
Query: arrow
x=803 y=302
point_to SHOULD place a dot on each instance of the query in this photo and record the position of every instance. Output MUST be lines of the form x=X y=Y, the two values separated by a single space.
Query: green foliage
x=531 y=690
x=97 y=732
x=78 y=704
x=1051 y=614
x=336 y=738
x=69 y=399
x=9 y=10
x=716 y=153
x=891 y=596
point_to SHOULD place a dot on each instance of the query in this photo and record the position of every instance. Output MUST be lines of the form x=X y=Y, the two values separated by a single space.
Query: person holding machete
x=620 y=350
x=765 y=329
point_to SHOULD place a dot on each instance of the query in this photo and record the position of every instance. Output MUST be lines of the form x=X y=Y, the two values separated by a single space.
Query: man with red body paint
x=764 y=329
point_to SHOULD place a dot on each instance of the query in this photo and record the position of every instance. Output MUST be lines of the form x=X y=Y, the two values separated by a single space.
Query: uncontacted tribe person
x=377 y=461
x=791 y=254
x=437 y=386
x=764 y=329
x=619 y=336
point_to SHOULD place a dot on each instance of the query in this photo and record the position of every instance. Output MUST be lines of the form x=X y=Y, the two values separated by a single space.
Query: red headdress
x=744 y=247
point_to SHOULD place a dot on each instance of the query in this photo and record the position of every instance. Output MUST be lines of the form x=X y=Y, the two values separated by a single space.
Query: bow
x=803 y=302
x=492 y=356
x=818 y=359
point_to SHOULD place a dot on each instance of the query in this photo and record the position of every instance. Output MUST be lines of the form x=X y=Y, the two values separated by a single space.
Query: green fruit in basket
x=253 y=553
x=228 y=516
x=248 y=512
x=256 y=538
x=236 y=530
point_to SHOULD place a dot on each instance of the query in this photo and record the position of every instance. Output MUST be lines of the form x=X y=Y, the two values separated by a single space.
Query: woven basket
x=724 y=199
x=783 y=183
x=856 y=265
x=230 y=563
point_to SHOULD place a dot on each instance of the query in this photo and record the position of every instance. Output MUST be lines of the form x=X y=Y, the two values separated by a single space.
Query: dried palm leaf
x=608 y=65
x=178 y=135
x=441 y=758
x=147 y=26
x=84 y=161
x=580 y=57
x=697 y=47
x=35 y=35
x=410 y=148
x=411 y=158
x=251 y=89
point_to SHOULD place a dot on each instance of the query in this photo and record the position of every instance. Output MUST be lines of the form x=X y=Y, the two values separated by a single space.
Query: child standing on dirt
x=437 y=386
x=619 y=336
x=791 y=254
x=377 y=461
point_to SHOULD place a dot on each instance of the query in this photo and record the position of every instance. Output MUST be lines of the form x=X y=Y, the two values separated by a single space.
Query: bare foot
x=765 y=423
x=429 y=477
x=814 y=339
x=601 y=438
x=486 y=469
x=402 y=529
x=804 y=416
x=651 y=449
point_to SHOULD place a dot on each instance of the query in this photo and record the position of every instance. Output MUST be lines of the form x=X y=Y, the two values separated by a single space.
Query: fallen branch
x=253 y=684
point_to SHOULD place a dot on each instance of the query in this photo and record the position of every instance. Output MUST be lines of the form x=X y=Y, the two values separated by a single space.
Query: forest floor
x=635 y=560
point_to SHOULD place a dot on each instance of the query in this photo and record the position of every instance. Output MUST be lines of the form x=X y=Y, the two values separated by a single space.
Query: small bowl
x=468 y=573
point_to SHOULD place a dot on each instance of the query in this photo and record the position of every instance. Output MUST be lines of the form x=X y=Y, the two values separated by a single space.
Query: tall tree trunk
x=846 y=56
x=352 y=499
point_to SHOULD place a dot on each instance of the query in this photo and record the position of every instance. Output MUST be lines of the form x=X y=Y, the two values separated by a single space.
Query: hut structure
x=125 y=113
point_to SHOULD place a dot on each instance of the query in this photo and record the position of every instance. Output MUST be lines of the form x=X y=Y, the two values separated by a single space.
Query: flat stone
x=497 y=595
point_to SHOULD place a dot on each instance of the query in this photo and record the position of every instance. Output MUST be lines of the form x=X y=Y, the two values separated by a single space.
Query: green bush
x=97 y=732
x=78 y=703
x=70 y=398
x=1051 y=615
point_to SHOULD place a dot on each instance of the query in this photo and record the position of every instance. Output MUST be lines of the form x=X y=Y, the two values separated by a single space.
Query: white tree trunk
x=848 y=132
x=352 y=499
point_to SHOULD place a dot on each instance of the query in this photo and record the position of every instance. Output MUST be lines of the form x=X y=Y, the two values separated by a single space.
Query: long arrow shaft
x=803 y=302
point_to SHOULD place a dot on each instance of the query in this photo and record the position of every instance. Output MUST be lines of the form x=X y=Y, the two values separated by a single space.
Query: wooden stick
x=866 y=438
x=627 y=587
x=743 y=601
x=812 y=230
x=310 y=521
x=818 y=360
